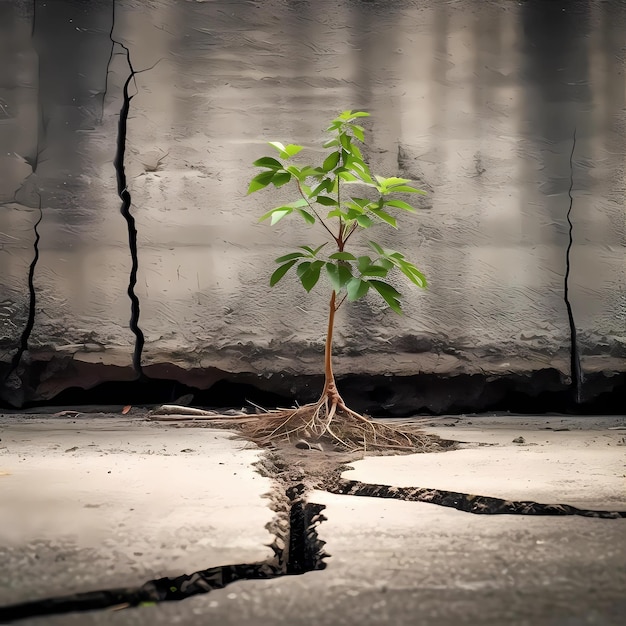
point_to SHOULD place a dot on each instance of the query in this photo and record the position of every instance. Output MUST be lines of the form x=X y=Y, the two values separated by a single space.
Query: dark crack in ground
x=469 y=503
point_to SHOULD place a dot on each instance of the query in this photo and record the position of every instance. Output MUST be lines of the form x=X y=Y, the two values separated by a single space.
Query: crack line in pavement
x=124 y=194
x=299 y=550
x=30 y=322
x=575 y=370
x=469 y=503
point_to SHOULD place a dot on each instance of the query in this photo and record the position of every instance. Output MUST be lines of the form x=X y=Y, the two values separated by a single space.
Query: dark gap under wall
x=380 y=396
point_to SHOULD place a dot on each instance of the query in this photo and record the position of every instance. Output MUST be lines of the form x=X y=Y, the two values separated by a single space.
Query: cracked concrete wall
x=478 y=102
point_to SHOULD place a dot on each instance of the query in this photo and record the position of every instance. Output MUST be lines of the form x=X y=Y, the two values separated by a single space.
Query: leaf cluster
x=323 y=200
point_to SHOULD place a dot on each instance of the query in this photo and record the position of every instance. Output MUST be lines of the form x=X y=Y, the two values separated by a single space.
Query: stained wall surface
x=508 y=114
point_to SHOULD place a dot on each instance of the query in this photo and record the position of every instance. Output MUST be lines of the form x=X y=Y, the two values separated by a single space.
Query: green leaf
x=405 y=189
x=363 y=221
x=359 y=204
x=399 y=204
x=326 y=201
x=325 y=185
x=330 y=162
x=361 y=170
x=281 y=178
x=270 y=213
x=375 y=270
x=389 y=294
x=345 y=116
x=273 y=164
x=392 y=180
x=281 y=271
x=303 y=268
x=278 y=214
x=359 y=133
x=363 y=262
x=356 y=288
x=311 y=172
x=367 y=179
x=285 y=151
x=342 y=256
x=333 y=273
x=377 y=248
x=260 y=180
x=331 y=143
x=311 y=251
x=346 y=175
x=308 y=218
x=413 y=274
x=339 y=275
x=394 y=184
x=398 y=185
x=385 y=217
x=309 y=273
x=337 y=213
x=292 y=149
x=295 y=171
x=345 y=141
x=289 y=257
x=357 y=156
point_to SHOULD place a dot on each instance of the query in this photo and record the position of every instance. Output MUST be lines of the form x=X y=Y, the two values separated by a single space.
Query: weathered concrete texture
x=582 y=463
x=93 y=503
x=484 y=120
x=404 y=563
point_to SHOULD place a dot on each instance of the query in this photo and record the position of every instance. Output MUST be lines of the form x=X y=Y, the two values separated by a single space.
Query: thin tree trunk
x=330 y=389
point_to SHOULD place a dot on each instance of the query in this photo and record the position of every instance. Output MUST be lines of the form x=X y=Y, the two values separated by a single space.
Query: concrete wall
x=476 y=101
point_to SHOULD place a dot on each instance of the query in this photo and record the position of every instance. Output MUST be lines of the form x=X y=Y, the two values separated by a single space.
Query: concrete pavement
x=391 y=562
x=97 y=502
x=579 y=461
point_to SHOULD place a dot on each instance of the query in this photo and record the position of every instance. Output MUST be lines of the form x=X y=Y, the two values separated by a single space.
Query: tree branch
x=315 y=212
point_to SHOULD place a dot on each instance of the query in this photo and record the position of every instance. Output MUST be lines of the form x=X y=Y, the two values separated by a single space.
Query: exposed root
x=330 y=420
x=327 y=421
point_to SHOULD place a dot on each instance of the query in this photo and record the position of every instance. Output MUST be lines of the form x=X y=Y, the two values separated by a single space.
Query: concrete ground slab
x=93 y=503
x=407 y=563
x=582 y=463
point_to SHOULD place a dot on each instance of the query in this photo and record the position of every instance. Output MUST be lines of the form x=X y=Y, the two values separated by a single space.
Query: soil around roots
x=329 y=420
x=328 y=424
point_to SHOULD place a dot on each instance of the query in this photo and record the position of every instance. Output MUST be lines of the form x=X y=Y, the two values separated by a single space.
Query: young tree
x=324 y=201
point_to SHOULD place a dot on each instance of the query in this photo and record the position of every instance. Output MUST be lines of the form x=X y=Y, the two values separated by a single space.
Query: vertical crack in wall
x=105 y=91
x=124 y=194
x=33 y=161
x=575 y=369
x=30 y=322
